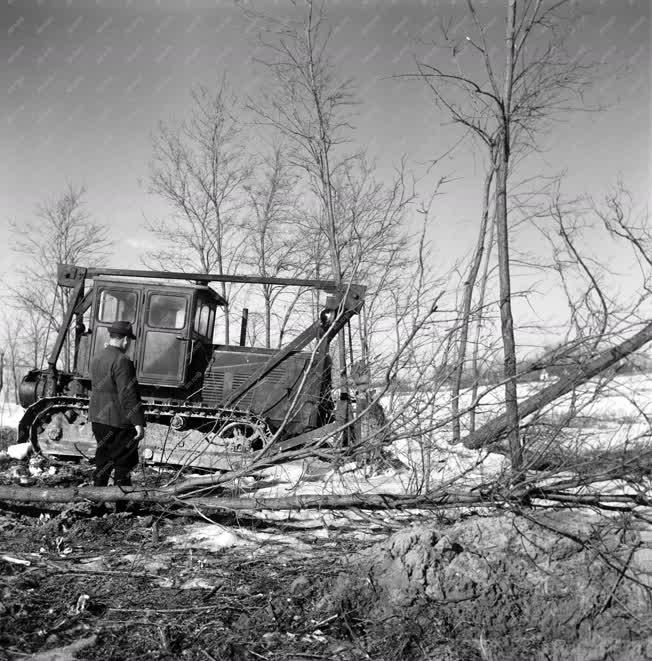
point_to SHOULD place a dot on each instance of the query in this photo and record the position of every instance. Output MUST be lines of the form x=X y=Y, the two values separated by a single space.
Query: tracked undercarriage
x=178 y=435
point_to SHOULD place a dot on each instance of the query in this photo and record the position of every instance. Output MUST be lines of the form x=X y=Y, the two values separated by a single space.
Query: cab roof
x=175 y=285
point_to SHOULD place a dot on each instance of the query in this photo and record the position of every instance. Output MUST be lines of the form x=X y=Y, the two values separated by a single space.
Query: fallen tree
x=166 y=497
x=495 y=430
x=434 y=500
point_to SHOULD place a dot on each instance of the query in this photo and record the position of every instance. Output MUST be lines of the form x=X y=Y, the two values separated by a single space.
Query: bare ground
x=478 y=585
x=117 y=584
x=142 y=602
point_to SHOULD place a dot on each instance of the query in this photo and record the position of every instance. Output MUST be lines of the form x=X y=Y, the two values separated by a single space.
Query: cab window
x=167 y=311
x=211 y=323
x=117 y=305
x=202 y=318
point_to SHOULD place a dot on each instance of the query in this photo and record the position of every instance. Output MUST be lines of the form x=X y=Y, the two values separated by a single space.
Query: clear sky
x=85 y=82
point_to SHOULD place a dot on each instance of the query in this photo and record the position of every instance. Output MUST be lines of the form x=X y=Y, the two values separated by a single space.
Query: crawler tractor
x=207 y=405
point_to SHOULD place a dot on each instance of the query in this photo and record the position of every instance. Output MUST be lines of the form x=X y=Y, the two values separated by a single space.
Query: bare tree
x=538 y=80
x=273 y=242
x=200 y=168
x=356 y=217
x=617 y=215
x=604 y=325
x=374 y=245
x=479 y=324
x=63 y=232
x=12 y=341
x=309 y=104
x=469 y=289
x=596 y=305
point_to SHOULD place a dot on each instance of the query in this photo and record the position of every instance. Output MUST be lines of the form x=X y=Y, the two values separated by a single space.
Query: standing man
x=115 y=410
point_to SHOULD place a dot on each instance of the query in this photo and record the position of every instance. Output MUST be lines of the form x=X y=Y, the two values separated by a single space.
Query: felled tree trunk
x=317 y=501
x=434 y=500
x=495 y=429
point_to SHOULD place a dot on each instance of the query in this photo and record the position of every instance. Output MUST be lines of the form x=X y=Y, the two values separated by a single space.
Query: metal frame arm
x=65 y=324
x=68 y=275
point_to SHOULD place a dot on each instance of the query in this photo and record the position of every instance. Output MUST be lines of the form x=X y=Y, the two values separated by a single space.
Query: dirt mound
x=551 y=586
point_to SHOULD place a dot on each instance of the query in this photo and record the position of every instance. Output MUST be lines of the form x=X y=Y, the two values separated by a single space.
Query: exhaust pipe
x=243 y=326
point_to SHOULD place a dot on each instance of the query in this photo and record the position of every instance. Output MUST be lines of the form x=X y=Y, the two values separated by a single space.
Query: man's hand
x=140 y=433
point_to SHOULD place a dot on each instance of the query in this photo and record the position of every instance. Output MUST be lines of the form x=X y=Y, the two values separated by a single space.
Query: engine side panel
x=292 y=387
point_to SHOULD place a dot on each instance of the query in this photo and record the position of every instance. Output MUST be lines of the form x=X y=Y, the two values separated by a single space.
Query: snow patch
x=10 y=414
x=211 y=537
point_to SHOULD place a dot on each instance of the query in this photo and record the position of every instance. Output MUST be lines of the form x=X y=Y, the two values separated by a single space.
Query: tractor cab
x=173 y=325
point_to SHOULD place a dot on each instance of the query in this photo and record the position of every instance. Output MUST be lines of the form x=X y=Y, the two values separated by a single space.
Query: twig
x=260 y=656
x=165 y=610
x=15 y=561
x=102 y=572
x=585 y=543
x=164 y=639
x=618 y=581
x=50 y=566
x=323 y=623
x=354 y=638
x=271 y=608
x=207 y=655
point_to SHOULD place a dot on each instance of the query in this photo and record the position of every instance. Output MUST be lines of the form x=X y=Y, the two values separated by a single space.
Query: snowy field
x=10 y=414
x=623 y=397
x=612 y=411
x=608 y=417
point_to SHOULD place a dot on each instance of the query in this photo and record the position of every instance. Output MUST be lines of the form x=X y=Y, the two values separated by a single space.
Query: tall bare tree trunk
x=469 y=286
x=506 y=320
x=502 y=234
x=538 y=81
x=327 y=192
x=475 y=369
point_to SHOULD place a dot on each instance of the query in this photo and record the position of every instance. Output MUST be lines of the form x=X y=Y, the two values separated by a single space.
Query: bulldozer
x=207 y=405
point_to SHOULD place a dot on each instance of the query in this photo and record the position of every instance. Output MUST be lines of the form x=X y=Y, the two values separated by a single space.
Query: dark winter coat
x=114 y=396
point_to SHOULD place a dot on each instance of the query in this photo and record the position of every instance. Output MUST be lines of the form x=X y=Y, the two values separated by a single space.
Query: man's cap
x=122 y=328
